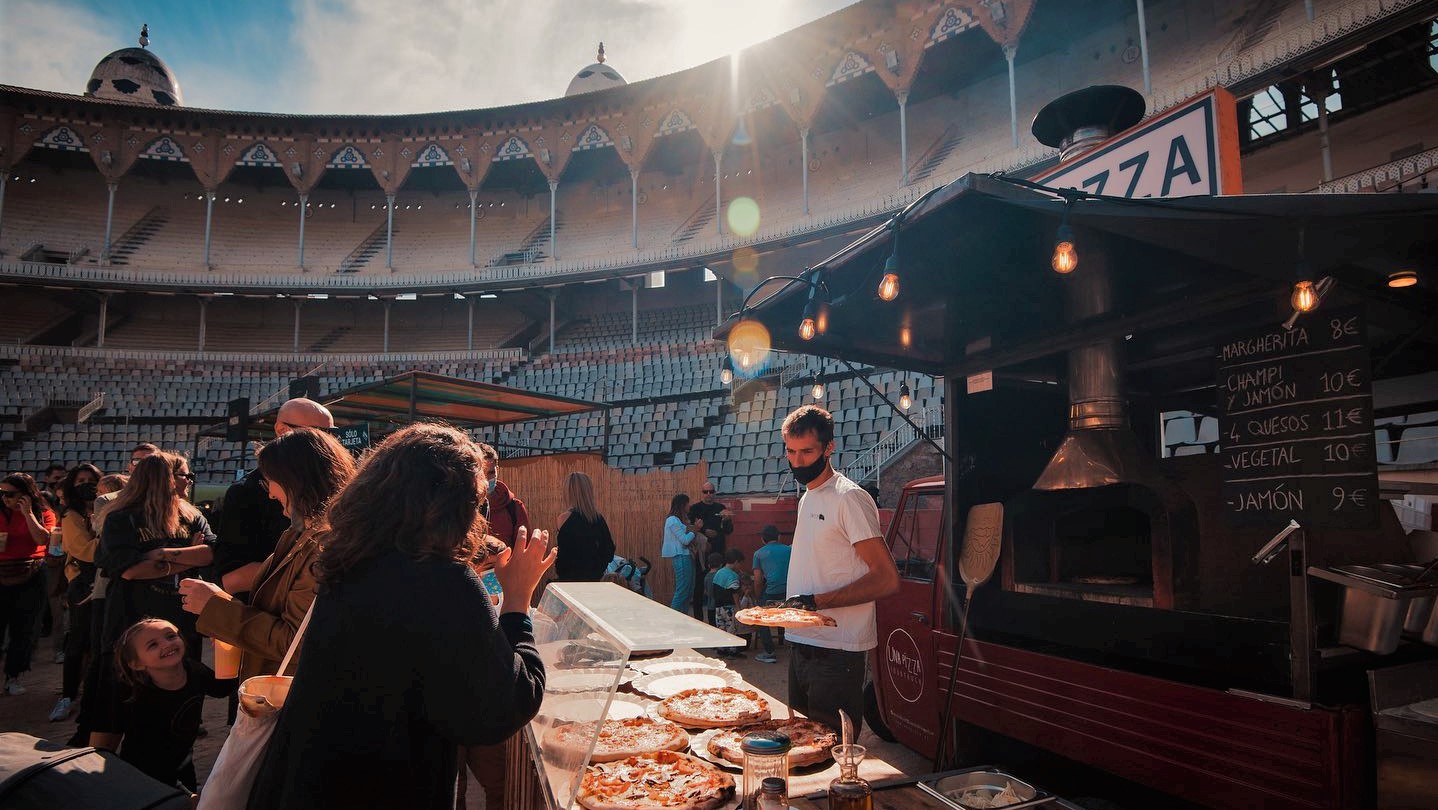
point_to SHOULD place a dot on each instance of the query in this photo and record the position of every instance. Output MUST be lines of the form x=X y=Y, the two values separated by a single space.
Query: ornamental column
x=209 y=218
x=634 y=205
x=804 y=164
x=389 y=233
x=903 y=139
x=718 y=209
x=109 y=222
x=553 y=248
x=304 y=210
x=473 y=206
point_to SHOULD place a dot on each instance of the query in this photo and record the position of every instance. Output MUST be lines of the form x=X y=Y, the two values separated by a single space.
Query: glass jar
x=766 y=756
x=772 y=794
x=849 y=792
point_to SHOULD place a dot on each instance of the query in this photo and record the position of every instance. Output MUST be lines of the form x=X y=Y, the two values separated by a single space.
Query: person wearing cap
x=771 y=578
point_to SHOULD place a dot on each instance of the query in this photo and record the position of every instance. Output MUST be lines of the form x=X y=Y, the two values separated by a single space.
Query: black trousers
x=20 y=608
x=77 y=638
x=823 y=681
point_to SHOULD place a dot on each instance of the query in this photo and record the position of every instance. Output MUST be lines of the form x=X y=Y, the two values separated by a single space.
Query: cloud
x=381 y=56
x=49 y=45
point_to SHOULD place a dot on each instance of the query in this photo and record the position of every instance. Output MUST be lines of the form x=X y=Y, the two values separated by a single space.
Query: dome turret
x=135 y=74
x=597 y=76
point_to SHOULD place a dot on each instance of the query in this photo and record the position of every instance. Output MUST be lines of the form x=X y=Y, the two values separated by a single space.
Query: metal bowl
x=952 y=789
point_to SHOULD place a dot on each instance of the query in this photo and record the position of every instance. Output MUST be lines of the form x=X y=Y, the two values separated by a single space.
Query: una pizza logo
x=904 y=666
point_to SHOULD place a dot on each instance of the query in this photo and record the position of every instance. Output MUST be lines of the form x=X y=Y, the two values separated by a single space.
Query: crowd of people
x=375 y=572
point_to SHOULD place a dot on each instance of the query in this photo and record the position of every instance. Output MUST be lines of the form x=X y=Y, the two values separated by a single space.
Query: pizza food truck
x=1162 y=548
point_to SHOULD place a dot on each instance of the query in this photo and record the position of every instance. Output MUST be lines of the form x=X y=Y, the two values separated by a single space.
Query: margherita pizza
x=619 y=739
x=663 y=779
x=714 y=708
x=783 y=617
x=811 y=740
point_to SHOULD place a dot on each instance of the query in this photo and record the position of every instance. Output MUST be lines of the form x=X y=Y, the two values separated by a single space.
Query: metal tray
x=946 y=788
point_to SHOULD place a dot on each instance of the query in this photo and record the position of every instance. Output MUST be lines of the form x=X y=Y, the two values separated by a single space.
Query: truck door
x=906 y=682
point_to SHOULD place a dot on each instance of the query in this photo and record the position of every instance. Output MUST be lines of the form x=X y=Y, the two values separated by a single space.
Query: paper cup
x=227 y=660
x=263 y=695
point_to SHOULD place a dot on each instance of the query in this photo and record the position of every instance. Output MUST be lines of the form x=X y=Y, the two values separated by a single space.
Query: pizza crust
x=783 y=617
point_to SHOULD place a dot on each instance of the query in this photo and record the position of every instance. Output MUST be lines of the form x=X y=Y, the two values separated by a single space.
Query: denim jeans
x=683 y=583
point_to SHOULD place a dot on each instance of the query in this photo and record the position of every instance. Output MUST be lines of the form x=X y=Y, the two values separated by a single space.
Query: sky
x=382 y=56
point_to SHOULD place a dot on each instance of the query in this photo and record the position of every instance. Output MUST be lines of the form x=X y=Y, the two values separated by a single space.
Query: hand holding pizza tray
x=798 y=611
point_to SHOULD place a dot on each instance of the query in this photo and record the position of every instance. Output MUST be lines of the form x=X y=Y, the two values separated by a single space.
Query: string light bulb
x=817 y=389
x=889 y=284
x=1403 y=278
x=808 y=328
x=1065 y=258
x=726 y=371
x=905 y=399
x=1304 y=297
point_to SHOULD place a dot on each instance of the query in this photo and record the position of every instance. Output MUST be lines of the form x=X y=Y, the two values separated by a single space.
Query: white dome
x=597 y=76
x=135 y=74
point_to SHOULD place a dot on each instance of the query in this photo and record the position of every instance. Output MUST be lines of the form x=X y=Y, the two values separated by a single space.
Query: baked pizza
x=811 y=740
x=662 y=779
x=783 y=617
x=618 y=739
x=714 y=708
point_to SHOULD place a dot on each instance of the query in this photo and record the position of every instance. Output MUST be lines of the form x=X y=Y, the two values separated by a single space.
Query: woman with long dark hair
x=677 y=548
x=404 y=657
x=584 y=543
x=79 y=490
x=152 y=536
x=25 y=522
x=303 y=469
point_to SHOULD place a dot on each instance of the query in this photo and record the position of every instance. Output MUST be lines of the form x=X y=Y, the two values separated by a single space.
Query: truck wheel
x=872 y=716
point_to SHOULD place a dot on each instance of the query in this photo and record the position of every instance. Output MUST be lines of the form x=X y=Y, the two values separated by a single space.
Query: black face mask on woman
x=809 y=472
x=86 y=491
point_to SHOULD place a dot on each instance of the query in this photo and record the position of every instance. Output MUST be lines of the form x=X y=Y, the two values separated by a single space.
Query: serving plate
x=673 y=662
x=584 y=709
x=667 y=683
x=587 y=679
x=699 y=747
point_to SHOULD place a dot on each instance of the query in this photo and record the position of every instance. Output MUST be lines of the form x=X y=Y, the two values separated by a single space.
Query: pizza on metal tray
x=783 y=617
x=662 y=779
x=618 y=739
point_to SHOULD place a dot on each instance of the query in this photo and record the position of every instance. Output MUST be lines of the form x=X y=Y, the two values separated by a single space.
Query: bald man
x=251 y=523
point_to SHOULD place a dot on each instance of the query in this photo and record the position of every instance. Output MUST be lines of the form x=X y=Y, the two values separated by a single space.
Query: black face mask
x=809 y=472
x=86 y=491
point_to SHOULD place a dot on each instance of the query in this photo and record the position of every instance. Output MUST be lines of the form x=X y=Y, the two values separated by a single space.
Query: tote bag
x=230 y=781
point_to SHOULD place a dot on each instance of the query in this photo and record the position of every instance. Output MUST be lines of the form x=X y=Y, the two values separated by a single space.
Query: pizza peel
x=982 y=541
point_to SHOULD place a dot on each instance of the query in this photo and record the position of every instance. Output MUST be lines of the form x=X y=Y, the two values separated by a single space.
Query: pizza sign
x=904 y=666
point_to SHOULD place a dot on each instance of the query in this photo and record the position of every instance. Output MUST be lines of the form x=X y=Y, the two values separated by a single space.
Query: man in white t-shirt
x=839 y=566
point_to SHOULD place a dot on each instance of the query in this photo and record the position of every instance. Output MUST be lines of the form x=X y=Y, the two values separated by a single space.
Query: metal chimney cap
x=1112 y=107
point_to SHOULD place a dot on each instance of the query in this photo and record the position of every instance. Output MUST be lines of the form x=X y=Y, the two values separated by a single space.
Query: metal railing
x=1388 y=177
x=868 y=464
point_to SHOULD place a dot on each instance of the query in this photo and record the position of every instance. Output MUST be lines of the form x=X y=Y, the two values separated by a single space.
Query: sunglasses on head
x=186 y=476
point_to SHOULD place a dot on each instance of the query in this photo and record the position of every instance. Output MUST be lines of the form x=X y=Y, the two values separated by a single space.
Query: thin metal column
x=4 y=176
x=718 y=212
x=104 y=319
x=209 y=216
x=634 y=204
x=295 y=343
x=469 y=343
x=1010 y=51
x=634 y=315
x=1143 y=48
x=553 y=248
x=387 y=303
x=804 y=164
x=204 y=309
x=718 y=299
x=1320 y=95
x=473 y=206
x=304 y=209
x=903 y=139
x=389 y=233
x=109 y=222
x=552 y=296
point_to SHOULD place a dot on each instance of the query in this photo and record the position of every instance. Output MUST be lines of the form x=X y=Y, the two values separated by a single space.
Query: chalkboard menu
x=1296 y=425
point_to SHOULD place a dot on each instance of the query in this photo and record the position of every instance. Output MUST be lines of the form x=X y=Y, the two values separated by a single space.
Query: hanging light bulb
x=808 y=328
x=889 y=284
x=817 y=390
x=1305 y=296
x=1403 y=278
x=905 y=400
x=726 y=371
x=1065 y=258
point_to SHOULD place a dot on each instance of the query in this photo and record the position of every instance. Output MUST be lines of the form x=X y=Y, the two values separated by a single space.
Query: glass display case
x=586 y=633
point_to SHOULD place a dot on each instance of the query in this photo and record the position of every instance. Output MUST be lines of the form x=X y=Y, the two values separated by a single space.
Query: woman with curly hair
x=405 y=658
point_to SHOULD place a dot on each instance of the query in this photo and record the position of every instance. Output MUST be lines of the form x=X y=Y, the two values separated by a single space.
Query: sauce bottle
x=849 y=792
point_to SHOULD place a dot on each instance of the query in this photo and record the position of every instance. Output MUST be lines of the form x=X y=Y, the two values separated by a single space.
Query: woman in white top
x=677 y=538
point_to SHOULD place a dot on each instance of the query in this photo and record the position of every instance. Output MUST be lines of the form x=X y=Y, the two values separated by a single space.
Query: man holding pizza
x=839 y=566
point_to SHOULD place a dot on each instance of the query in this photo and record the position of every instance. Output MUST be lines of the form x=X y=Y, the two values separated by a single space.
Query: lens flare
x=743 y=216
x=749 y=345
x=746 y=262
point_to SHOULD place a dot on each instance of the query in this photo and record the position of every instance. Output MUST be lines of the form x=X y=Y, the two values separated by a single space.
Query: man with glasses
x=716 y=524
